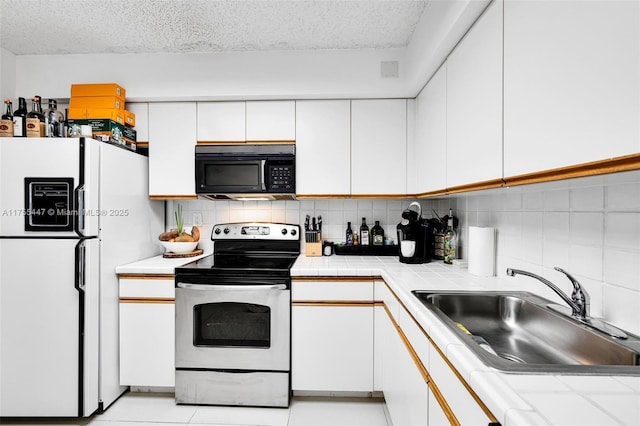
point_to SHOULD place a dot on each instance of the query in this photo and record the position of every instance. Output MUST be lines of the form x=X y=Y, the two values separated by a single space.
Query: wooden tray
x=170 y=255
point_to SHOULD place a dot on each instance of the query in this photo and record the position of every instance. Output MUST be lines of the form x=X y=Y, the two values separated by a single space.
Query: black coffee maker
x=415 y=236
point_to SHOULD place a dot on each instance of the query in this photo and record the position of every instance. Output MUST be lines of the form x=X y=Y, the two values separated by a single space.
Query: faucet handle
x=579 y=295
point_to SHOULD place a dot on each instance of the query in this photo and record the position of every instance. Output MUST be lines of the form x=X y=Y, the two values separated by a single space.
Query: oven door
x=233 y=326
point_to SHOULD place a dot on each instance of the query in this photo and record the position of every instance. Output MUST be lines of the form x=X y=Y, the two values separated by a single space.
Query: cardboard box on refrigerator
x=97 y=102
x=107 y=131
x=99 y=89
x=117 y=115
x=129 y=118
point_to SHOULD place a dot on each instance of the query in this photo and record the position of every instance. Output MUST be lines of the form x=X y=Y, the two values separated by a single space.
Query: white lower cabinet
x=332 y=336
x=332 y=348
x=147 y=332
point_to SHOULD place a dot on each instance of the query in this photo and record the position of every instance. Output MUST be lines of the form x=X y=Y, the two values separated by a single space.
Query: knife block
x=313 y=243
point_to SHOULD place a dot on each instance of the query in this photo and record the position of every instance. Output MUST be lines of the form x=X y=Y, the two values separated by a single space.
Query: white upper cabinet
x=271 y=121
x=221 y=121
x=571 y=83
x=474 y=102
x=378 y=147
x=141 y=110
x=431 y=138
x=172 y=141
x=323 y=158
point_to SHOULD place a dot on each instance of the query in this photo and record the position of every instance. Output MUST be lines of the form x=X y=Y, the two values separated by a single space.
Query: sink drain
x=513 y=358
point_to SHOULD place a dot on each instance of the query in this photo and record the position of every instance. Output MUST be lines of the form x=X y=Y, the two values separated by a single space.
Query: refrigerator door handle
x=80 y=260
x=79 y=210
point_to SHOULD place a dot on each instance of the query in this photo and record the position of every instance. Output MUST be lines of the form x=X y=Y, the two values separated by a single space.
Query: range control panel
x=256 y=230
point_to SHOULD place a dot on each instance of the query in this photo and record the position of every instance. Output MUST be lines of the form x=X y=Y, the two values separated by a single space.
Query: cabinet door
x=332 y=348
x=141 y=110
x=271 y=121
x=378 y=147
x=172 y=141
x=571 y=86
x=323 y=150
x=474 y=102
x=147 y=344
x=405 y=391
x=431 y=144
x=221 y=122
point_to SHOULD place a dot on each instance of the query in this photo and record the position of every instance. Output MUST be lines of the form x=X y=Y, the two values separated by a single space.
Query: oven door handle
x=209 y=287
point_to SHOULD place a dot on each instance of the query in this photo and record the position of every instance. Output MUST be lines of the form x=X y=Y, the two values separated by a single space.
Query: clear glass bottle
x=450 y=241
x=377 y=234
x=364 y=233
x=54 y=120
x=20 y=119
x=35 y=119
x=6 y=122
x=349 y=235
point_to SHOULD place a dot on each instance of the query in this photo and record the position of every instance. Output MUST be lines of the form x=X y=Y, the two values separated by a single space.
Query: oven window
x=232 y=174
x=232 y=324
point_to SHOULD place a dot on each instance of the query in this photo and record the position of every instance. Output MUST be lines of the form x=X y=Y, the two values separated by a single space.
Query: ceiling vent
x=389 y=69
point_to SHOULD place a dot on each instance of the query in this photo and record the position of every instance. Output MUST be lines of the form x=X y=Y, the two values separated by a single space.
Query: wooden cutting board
x=170 y=255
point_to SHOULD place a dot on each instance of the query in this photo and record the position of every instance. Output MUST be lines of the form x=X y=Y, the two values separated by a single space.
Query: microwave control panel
x=281 y=177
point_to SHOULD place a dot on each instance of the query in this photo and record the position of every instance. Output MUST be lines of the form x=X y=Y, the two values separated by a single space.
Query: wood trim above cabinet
x=148 y=300
x=476 y=186
x=146 y=276
x=342 y=278
x=611 y=165
x=333 y=303
x=281 y=142
x=173 y=197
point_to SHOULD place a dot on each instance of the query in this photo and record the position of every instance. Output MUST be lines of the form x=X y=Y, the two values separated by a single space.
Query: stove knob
x=284 y=231
x=294 y=232
x=217 y=231
x=226 y=231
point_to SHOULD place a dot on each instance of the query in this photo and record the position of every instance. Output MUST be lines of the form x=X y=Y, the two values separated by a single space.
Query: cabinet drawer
x=147 y=287
x=344 y=291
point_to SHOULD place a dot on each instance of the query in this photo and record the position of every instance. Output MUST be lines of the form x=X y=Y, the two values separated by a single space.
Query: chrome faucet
x=579 y=302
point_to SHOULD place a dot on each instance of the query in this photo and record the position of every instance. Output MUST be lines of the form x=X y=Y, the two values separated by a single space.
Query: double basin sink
x=518 y=332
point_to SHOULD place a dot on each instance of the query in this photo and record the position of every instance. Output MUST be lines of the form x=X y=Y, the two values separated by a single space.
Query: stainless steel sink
x=524 y=335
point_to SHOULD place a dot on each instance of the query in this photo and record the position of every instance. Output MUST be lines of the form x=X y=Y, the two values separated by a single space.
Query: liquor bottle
x=35 y=119
x=450 y=241
x=364 y=233
x=349 y=235
x=54 y=120
x=377 y=234
x=6 y=122
x=20 y=119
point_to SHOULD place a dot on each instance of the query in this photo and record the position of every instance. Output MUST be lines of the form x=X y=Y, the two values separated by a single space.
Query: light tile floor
x=158 y=409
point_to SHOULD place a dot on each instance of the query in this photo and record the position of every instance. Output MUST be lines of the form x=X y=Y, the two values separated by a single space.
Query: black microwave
x=224 y=171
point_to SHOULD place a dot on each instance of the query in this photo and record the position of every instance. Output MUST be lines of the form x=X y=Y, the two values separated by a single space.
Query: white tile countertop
x=157 y=265
x=515 y=399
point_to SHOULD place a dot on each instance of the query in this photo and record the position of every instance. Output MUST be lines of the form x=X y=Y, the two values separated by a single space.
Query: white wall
x=7 y=75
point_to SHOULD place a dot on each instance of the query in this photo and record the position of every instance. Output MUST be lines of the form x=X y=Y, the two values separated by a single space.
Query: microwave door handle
x=214 y=287
x=264 y=175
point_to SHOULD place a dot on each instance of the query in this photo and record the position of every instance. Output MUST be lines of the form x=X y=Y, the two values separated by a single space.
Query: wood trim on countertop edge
x=150 y=300
x=341 y=278
x=455 y=371
x=129 y=276
x=334 y=303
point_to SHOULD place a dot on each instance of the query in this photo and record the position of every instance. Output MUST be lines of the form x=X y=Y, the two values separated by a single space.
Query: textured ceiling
x=34 y=27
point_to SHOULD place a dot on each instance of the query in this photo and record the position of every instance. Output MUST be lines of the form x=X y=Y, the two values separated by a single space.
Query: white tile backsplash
x=589 y=226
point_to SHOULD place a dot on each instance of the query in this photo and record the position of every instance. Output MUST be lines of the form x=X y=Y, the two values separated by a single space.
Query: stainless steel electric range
x=233 y=318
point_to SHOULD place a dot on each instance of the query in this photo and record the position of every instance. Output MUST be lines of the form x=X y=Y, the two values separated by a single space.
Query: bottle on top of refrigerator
x=6 y=122
x=450 y=241
x=53 y=120
x=377 y=234
x=35 y=119
x=20 y=119
x=364 y=233
x=349 y=235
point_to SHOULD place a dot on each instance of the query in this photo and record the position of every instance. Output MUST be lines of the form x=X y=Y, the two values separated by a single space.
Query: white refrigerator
x=71 y=210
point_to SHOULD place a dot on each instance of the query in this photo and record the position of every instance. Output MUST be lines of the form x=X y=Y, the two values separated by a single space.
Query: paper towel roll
x=482 y=251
